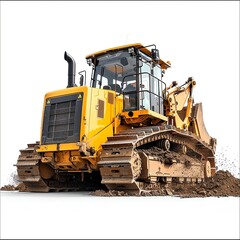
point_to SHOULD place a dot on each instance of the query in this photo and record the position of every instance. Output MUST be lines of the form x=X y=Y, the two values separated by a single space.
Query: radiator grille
x=61 y=122
x=62 y=119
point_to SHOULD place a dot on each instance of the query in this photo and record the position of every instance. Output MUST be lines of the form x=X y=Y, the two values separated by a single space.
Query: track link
x=128 y=160
x=28 y=169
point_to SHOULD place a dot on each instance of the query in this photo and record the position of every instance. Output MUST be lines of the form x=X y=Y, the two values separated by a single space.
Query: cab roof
x=162 y=63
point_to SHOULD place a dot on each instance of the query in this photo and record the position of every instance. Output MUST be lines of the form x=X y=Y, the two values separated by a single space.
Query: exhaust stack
x=71 y=70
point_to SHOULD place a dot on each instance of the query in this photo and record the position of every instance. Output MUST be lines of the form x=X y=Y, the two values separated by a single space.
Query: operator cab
x=133 y=71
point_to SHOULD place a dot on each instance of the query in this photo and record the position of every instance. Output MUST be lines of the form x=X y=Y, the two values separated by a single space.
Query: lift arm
x=180 y=102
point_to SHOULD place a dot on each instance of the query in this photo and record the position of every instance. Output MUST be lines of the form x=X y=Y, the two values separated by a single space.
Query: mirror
x=81 y=80
x=82 y=77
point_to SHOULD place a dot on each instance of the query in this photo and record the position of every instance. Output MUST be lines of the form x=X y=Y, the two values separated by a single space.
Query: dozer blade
x=199 y=126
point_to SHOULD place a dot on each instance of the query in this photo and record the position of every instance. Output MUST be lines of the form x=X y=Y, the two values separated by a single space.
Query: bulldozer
x=122 y=129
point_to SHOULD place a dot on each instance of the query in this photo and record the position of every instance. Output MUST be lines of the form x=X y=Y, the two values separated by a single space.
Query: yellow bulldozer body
x=130 y=138
x=100 y=113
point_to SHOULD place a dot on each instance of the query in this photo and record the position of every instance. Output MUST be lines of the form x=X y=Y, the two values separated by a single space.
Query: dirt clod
x=8 y=188
x=21 y=187
x=169 y=192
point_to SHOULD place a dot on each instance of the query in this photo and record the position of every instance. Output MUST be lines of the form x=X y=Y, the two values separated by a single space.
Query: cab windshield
x=112 y=68
x=133 y=74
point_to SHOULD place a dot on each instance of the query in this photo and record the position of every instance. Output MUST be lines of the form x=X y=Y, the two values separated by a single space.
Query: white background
x=78 y=215
x=201 y=39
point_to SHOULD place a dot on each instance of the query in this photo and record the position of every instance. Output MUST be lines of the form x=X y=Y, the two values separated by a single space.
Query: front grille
x=62 y=119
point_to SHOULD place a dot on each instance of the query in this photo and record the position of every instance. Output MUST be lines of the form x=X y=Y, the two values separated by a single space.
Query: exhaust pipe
x=71 y=70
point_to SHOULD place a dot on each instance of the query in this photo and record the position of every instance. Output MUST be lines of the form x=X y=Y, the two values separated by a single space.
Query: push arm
x=180 y=102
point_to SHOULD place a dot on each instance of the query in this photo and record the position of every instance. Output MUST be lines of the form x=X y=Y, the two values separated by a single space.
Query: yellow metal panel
x=47 y=148
x=145 y=112
x=98 y=128
x=95 y=123
x=62 y=147
x=68 y=146
x=66 y=91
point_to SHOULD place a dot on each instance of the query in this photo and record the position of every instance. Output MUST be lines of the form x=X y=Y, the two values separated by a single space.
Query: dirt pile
x=20 y=187
x=223 y=184
x=8 y=188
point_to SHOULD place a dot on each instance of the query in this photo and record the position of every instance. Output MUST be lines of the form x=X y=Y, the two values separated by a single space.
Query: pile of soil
x=8 y=188
x=223 y=184
x=20 y=187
